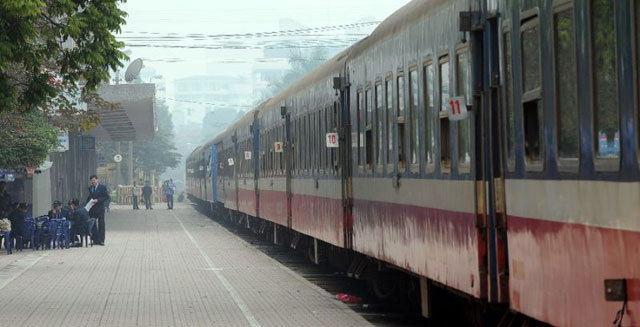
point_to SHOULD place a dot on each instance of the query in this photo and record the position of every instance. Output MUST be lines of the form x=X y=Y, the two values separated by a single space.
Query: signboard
x=247 y=155
x=458 y=108
x=277 y=146
x=117 y=158
x=332 y=140
x=230 y=160
x=63 y=140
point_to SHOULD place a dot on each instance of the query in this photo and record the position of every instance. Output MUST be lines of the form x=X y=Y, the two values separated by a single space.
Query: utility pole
x=130 y=156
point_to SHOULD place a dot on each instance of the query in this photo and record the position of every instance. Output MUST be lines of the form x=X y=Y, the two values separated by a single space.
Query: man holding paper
x=98 y=196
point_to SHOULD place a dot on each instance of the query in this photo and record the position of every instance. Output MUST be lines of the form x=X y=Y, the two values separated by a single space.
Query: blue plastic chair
x=28 y=231
x=62 y=235
x=40 y=232
x=52 y=232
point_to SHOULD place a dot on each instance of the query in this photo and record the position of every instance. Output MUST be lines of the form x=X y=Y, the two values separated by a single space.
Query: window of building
x=429 y=128
x=532 y=94
x=463 y=84
x=605 y=83
x=566 y=92
x=445 y=145
x=379 y=124
x=390 y=114
x=413 y=115
x=508 y=106
x=401 y=123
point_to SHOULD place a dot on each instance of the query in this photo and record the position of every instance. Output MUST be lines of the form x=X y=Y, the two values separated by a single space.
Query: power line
x=208 y=103
x=293 y=32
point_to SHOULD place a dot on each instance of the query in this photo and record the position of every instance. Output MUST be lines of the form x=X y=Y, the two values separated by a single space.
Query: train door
x=343 y=117
x=256 y=161
x=214 y=173
x=234 y=155
x=490 y=169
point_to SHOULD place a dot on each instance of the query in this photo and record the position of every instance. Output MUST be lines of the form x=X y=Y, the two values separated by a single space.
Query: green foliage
x=26 y=139
x=48 y=47
x=159 y=153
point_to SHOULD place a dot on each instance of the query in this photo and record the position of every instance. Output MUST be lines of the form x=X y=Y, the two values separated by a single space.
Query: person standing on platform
x=99 y=196
x=146 y=194
x=134 y=192
x=171 y=190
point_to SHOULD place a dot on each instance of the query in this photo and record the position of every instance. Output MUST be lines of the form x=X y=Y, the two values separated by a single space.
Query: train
x=490 y=147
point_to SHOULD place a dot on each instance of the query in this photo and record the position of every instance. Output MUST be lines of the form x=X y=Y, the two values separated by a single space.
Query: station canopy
x=134 y=117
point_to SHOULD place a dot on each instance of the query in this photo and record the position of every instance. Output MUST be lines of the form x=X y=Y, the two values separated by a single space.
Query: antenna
x=133 y=70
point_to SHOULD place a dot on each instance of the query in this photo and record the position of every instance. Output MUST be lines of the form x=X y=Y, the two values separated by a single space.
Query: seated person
x=56 y=212
x=66 y=211
x=79 y=220
x=17 y=218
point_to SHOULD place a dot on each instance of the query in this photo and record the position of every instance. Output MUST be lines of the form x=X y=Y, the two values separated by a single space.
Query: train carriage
x=530 y=201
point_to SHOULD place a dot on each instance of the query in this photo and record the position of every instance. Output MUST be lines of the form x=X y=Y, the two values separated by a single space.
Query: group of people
x=146 y=194
x=76 y=213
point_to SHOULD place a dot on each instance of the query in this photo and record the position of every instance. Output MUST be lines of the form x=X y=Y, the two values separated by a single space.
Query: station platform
x=162 y=268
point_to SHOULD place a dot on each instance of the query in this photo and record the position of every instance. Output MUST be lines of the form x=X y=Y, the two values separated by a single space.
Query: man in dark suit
x=99 y=195
x=146 y=193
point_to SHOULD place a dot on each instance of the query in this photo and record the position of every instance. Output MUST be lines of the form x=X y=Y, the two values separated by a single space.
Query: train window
x=369 y=131
x=359 y=102
x=401 y=136
x=530 y=54
x=379 y=124
x=316 y=139
x=532 y=103
x=445 y=145
x=429 y=138
x=327 y=130
x=308 y=143
x=390 y=113
x=508 y=90
x=413 y=116
x=605 y=83
x=566 y=92
x=464 y=126
x=335 y=123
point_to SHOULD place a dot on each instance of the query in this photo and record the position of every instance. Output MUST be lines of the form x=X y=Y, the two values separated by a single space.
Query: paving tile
x=162 y=268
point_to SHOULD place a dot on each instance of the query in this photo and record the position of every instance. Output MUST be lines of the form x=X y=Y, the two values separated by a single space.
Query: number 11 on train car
x=458 y=108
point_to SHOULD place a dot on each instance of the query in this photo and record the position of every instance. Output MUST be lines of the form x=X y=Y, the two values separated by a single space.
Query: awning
x=134 y=118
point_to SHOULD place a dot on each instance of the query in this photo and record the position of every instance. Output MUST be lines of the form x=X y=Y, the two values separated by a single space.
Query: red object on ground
x=346 y=298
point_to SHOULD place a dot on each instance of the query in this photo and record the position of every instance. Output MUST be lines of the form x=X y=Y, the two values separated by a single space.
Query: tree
x=49 y=47
x=26 y=138
x=159 y=153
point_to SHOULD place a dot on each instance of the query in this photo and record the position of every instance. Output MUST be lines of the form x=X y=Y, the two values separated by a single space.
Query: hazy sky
x=214 y=17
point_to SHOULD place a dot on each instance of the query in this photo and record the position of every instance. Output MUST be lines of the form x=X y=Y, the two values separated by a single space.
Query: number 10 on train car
x=458 y=108
x=332 y=140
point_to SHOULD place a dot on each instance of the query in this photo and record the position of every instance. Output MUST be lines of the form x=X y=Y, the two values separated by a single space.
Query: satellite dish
x=133 y=70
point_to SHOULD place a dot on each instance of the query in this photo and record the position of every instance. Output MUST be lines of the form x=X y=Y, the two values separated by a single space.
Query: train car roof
x=394 y=23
